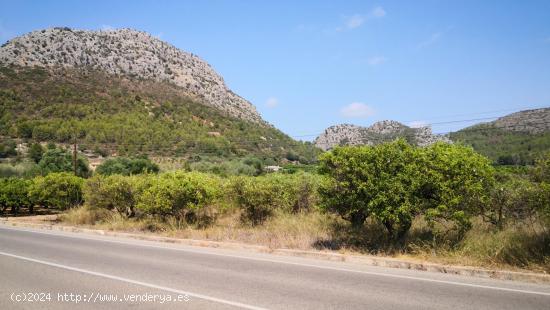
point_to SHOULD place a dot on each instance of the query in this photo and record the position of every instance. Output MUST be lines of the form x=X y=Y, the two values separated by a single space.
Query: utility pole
x=74 y=156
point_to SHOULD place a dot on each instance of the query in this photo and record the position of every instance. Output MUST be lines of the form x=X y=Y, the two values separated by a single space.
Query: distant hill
x=346 y=134
x=126 y=52
x=126 y=92
x=515 y=139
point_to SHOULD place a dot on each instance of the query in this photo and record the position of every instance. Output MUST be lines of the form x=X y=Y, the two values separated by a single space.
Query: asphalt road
x=80 y=271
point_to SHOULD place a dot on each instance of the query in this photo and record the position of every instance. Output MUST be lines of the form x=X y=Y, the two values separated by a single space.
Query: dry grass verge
x=515 y=248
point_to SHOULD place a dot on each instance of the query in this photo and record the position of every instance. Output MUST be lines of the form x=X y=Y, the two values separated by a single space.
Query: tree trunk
x=357 y=219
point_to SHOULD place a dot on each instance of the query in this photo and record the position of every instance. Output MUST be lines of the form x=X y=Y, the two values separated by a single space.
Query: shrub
x=8 y=148
x=456 y=183
x=127 y=166
x=259 y=197
x=113 y=193
x=14 y=194
x=395 y=182
x=35 y=152
x=179 y=193
x=381 y=180
x=541 y=173
x=57 y=190
x=58 y=160
x=21 y=170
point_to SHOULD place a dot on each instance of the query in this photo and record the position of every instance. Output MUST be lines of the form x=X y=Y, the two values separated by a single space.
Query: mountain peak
x=387 y=130
x=127 y=52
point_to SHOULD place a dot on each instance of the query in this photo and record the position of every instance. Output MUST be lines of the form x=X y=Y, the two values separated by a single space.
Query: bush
x=14 y=195
x=541 y=173
x=259 y=197
x=113 y=193
x=456 y=185
x=178 y=193
x=58 y=160
x=8 y=148
x=20 y=170
x=36 y=151
x=395 y=182
x=381 y=180
x=57 y=190
x=127 y=166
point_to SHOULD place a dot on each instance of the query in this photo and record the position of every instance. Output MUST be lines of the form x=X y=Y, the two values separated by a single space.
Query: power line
x=277 y=142
x=448 y=122
x=415 y=135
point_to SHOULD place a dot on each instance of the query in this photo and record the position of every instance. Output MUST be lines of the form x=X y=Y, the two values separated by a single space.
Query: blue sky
x=307 y=65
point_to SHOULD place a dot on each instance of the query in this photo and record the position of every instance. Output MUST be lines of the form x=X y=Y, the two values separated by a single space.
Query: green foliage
x=396 y=182
x=504 y=147
x=381 y=180
x=20 y=170
x=541 y=173
x=57 y=190
x=179 y=193
x=129 y=118
x=35 y=152
x=457 y=182
x=127 y=166
x=13 y=194
x=58 y=160
x=250 y=166
x=114 y=192
x=8 y=149
x=259 y=197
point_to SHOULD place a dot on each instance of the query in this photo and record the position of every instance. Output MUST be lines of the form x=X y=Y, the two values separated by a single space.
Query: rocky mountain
x=129 y=53
x=124 y=92
x=534 y=121
x=346 y=134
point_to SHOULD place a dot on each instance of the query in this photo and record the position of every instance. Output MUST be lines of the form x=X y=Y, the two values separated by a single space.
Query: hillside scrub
x=130 y=117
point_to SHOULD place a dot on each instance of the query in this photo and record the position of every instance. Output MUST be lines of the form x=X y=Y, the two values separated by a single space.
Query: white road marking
x=292 y=263
x=162 y=288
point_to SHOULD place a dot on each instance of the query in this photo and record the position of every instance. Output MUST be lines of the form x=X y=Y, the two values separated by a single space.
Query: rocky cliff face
x=531 y=121
x=346 y=134
x=131 y=53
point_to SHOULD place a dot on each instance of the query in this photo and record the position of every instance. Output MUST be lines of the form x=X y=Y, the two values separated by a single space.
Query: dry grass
x=515 y=248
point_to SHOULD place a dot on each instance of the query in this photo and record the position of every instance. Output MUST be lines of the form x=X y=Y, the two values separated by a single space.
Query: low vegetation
x=109 y=115
x=443 y=203
x=503 y=146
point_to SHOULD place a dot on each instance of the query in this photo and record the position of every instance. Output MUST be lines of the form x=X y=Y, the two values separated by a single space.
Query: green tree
x=179 y=193
x=127 y=166
x=14 y=195
x=57 y=190
x=113 y=192
x=457 y=183
x=35 y=152
x=396 y=182
x=58 y=160
x=381 y=180
x=8 y=148
x=541 y=172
